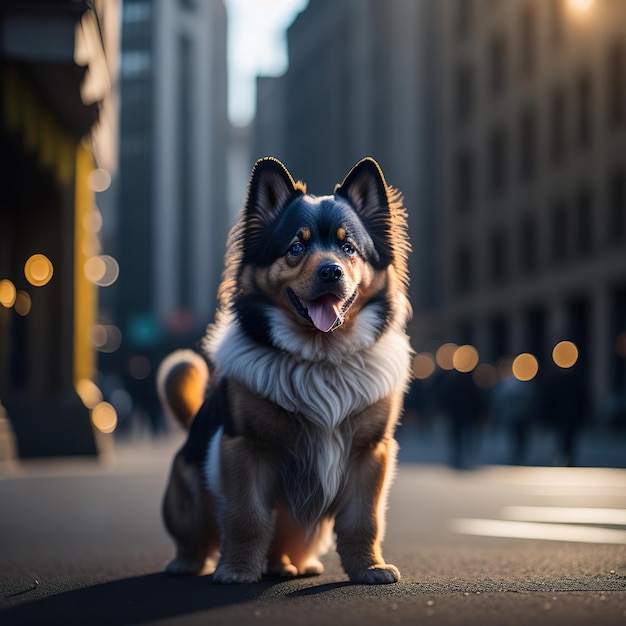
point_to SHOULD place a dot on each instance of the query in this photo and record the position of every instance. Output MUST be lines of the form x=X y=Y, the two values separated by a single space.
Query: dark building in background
x=362 y=81
x=56 y=127
x=172 y=216
x=533 y=205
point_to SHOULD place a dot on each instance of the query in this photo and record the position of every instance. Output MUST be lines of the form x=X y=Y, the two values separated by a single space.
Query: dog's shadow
x=144 y=599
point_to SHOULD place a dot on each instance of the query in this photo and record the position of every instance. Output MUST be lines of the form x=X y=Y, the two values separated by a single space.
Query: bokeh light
x=105 y=337
x=565 y=354
x=99 y=180
x=423 y=365
x=525 y=366
x=104 y=417
x=102 y=270
x=485 y=376
x=38 y=270
x=92 y=222
x=8 y=293
x=22 y=303
x=89 y=393
x=465 y=359
x=580 y=6
x=445 y=356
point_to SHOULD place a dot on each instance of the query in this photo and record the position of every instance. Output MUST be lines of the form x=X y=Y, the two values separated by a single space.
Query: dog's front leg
x=360 y=522
x=246 y=516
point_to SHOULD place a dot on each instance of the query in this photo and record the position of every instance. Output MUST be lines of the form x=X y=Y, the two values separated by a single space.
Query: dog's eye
x=348 y=248
x=297 y=248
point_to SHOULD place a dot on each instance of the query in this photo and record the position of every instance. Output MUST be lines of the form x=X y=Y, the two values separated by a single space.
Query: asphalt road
x=82 y=543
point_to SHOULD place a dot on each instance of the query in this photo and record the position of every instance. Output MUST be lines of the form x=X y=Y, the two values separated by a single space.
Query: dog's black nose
x=330 y=273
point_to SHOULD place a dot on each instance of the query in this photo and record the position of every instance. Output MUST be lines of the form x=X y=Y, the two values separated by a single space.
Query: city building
x=57 y=126
x=173 y=216
x=533 y=194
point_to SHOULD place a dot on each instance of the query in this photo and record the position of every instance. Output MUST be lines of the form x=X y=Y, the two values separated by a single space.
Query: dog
x=292 y=448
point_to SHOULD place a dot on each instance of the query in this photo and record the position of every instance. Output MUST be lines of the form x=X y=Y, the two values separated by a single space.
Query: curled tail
x=182 y=379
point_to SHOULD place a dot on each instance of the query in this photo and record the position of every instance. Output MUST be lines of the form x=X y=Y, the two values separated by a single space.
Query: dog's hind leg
x=189 y=516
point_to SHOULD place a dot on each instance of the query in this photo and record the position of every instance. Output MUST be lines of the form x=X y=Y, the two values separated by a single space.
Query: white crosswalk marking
x=566 y=515
x=583 y=524
x=534 y=530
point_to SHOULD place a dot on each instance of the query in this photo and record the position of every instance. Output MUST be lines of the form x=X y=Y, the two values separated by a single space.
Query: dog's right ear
x=270 y=189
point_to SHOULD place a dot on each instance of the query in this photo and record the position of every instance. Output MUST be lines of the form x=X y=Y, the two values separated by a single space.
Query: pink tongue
x=324 y=312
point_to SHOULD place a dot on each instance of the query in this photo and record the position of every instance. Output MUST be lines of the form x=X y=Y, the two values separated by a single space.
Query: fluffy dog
x=309 y=362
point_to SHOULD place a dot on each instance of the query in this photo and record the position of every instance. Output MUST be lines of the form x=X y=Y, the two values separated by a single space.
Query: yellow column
x=85 y=297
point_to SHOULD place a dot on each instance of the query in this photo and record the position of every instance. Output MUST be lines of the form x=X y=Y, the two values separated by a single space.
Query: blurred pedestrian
x=463 y=404
x=566 y=406
x=513 y=404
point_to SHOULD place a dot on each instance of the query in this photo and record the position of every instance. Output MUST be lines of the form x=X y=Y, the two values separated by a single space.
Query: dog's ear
x=271 y=187
x=366 y=190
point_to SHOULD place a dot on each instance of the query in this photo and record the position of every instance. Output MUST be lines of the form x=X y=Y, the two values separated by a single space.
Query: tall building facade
x=533 y=200
x=57 y=125
x=362 y=82
x=172 y=215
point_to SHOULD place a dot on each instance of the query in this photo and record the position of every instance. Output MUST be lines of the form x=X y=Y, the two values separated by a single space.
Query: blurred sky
x=257 y=44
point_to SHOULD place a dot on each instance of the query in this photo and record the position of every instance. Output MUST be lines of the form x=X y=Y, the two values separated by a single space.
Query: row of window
x=571 y=130
x=585 y=92
x=571 y=234
x=466 y=18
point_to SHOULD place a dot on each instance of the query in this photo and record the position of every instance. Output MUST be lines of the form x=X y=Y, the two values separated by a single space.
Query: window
x=528 y=245
x=584 y=115
x=463 y=269
x=463 y=17
x=528 y=27
x=464 y=181
x=134 y=63
x=464 y=93
x=616 y=84
x=498 y=269
x=558 y=232
x=557 y=22
x=497 y=63
x=558 y=125
x=584 y=222
x=497 y=158
x=528 y=144
x=498 y=337
x=617 y=208
x=136 y=11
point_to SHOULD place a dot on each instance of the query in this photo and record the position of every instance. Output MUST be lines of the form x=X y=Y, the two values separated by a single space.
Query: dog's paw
x=190 y=567
x=226 y=575
x=285 y=570
x=380 y=574
x=314 y=567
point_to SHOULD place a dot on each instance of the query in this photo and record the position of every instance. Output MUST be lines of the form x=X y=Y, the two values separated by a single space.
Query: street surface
x=82 y=543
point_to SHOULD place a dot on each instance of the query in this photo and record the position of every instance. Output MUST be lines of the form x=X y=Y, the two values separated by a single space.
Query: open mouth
x=326 y=312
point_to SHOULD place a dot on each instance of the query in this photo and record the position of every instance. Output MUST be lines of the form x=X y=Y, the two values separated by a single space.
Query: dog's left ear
x=271 y=187
x=366 y=190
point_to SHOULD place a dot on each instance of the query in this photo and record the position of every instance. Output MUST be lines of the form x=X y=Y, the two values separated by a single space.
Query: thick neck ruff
x=325 y=377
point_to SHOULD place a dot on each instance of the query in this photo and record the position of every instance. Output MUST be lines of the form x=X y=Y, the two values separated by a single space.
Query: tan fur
x=181 y=382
